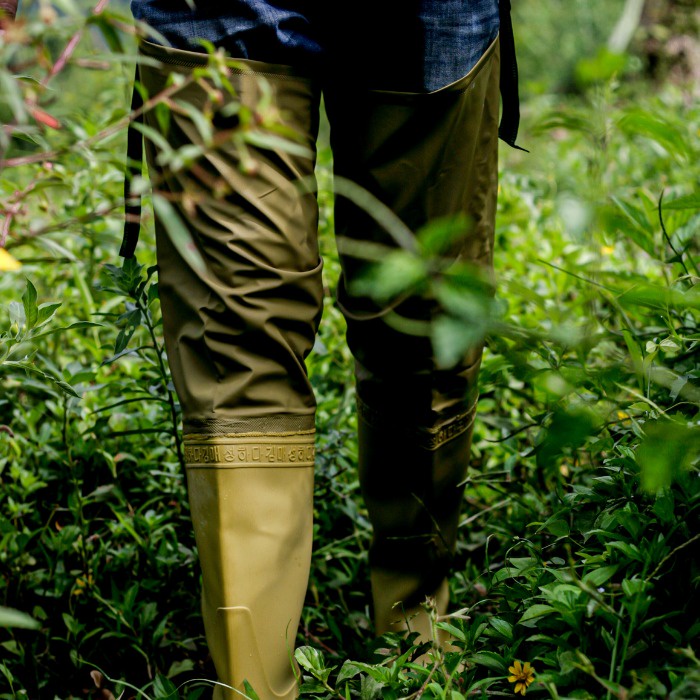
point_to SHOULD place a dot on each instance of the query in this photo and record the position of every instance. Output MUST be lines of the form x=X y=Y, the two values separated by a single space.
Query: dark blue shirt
x=417 y=45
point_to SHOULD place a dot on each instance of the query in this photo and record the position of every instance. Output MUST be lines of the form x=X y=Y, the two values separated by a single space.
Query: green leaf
x=636 y=355
x=631 y=587
x=600 y=68
x=310 y=659
x=629 y=550
x=272 y=142
x=164 y=688
x=46 y=312
x=438 y=236
x=397 y=274
x=491 y=660
x=639 y=227
x=178 y=232
x=598 y=577
x=21 y=351
x=452 y=338
x=664 y=507
x=31 y=312
x=250 y=691
x=568 y=661
x=112 y=37
x=568 y=430
x=9 y=617
x=349 y=670
x=668 y=449
x=534 y=613
x=73 y=326
x=370 y=689
x=689 y=201
x=127 y=277
x=503 y=627
x=659 y=129
x=16 y=313
x=555 y=525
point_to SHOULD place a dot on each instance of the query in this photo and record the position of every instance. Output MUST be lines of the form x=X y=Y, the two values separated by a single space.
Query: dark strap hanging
x=134 y=167
x=510 y=116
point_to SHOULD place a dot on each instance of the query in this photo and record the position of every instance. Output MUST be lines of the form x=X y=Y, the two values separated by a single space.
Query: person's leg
x=425 y=156
x=237 y=333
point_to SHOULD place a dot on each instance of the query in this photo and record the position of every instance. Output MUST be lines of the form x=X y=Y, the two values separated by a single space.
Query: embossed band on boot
x=250 y=499
x=241 y=450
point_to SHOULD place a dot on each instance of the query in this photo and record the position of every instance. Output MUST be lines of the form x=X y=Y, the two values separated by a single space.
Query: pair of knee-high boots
x=238 y=328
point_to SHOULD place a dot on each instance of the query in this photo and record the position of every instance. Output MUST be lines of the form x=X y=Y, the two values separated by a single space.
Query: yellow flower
x=82 y=583
x=523 y=676
x=607 y=250
x=7 y=262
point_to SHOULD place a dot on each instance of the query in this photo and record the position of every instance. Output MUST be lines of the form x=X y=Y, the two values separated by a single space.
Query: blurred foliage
x=580 y=540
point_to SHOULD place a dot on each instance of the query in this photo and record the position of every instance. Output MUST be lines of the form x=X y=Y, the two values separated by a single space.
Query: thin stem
x=164 y=379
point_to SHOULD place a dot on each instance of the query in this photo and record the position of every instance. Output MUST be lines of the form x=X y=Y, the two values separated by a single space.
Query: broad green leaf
x=164 y=688
x=14 y=618
x=639 y=227
x=46 y=312
x=438 y=236
x=491 y=660
x=452 y=338
x=399 y=273
x=310 y=659
x=668 y=449
x=181 y=666
x=689 y=201
x=598 y=577
x=503 y=627
x=31 y=311
x=349 y=670
x=629 y=550
x=178 y=232
x=530 y=617
x=638 y=123
x=370 y=689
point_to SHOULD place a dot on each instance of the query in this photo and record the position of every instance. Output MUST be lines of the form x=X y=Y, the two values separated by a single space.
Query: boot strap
x=134 y=167
x=510 y=116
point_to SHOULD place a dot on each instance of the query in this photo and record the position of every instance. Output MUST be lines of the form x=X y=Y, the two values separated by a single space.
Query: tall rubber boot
x=253 y=527
x=237 y=333
x=413 y=494
x=425 y=156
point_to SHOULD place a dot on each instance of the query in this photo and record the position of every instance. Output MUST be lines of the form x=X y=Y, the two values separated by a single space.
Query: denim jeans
x=410 y=45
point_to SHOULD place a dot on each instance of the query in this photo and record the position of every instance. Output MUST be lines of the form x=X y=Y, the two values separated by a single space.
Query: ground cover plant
x=576 y=573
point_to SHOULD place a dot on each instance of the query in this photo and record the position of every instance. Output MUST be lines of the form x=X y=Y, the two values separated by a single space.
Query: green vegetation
x=580 y=543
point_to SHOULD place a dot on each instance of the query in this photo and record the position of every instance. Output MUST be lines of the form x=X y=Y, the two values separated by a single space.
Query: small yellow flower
x=622 y=415
x=7 y=262
x=82 y=583
x=607 y=250
x=523 y=676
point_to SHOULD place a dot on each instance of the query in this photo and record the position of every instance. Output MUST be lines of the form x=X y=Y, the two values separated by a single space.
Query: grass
x=579 y=543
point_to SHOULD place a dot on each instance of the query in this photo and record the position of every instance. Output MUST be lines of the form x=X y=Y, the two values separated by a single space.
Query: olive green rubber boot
x=389 y=591
x=237 y=330
x=425 y=157
x=414 y=497
x=251 y=503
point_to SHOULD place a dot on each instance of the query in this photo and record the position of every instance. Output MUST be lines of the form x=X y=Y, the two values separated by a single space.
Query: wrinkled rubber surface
x=237 y=334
